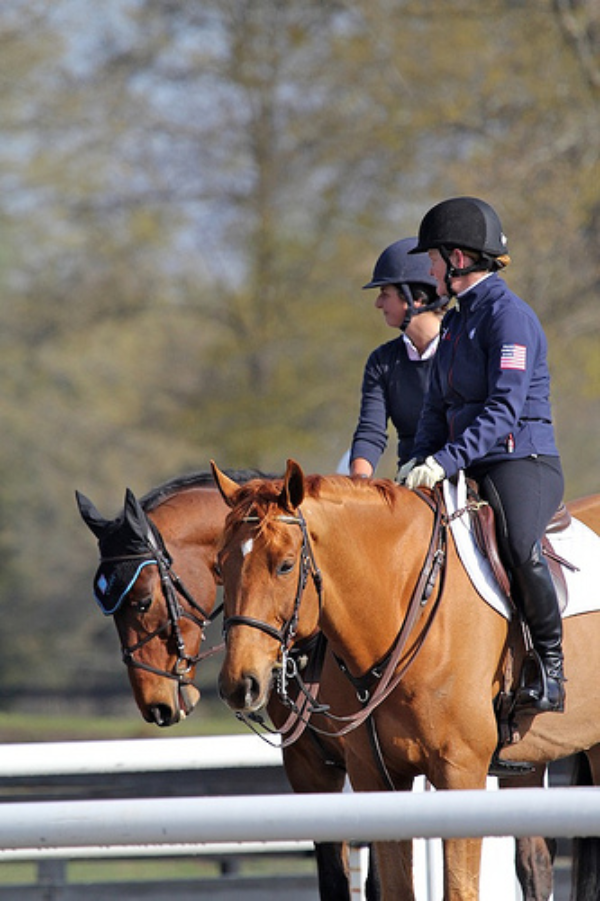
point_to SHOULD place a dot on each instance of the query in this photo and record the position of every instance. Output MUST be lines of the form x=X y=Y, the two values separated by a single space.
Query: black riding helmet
x=469 y=224
x=409 y=274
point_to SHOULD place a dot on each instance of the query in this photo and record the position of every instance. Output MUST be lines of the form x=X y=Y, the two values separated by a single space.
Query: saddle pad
x=578 y=544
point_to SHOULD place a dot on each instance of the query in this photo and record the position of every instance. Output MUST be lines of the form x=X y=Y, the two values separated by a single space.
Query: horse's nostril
x=161 y=715
x=252 y=691
x=241 y=694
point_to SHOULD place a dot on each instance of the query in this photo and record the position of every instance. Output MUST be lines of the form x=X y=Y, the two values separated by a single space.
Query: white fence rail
x=360 y=818
x=179 y=826
x=141 y=755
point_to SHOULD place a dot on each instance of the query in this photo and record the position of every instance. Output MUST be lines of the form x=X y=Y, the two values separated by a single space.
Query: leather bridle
x=171 y=587
x=308 y=569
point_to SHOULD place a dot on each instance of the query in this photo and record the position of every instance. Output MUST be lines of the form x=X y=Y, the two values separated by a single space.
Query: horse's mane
x=317 y=486
x=261 y=497
x=202 y=479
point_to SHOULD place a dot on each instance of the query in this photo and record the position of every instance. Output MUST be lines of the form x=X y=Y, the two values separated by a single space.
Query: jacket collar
x=477 y=294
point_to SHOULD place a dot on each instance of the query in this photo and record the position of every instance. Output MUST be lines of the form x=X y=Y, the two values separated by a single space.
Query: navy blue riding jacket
x=393 y=388
x=489 y=394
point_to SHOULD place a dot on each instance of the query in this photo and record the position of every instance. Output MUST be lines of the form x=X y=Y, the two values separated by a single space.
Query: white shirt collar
x=478 y=282
x=414 y=355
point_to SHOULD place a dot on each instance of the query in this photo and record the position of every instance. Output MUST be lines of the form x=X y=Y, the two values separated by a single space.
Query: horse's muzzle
x=246 y=694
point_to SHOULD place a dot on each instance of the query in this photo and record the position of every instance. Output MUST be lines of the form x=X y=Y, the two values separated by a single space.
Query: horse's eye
x=142 y=605
x=285 y=567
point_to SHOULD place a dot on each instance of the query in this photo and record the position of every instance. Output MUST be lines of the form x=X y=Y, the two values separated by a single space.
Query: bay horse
x=166 y=544
x=424 y=655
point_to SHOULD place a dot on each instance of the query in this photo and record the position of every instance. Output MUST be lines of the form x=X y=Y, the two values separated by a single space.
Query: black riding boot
x=541 y=686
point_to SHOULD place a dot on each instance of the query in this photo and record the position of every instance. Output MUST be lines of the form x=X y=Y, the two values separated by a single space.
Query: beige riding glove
x=426 y=475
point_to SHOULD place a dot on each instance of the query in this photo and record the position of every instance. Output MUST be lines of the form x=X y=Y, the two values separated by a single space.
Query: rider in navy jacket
x=487 y=412
x=490 y=385
x=393 y=387
x=396 y=375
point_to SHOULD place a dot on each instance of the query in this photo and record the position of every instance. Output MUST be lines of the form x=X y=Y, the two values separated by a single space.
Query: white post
x=358 y=866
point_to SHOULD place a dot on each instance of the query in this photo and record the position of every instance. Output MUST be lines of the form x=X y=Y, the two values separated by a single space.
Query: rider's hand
x=404 y=471
x=426 y=475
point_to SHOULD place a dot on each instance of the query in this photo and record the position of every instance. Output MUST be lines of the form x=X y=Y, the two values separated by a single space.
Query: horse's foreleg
x=462 y=856
x=462 y=862
x=394 y=870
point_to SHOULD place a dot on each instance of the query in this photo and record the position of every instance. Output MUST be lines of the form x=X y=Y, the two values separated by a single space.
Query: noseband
x=308 y=567
x=171 y=586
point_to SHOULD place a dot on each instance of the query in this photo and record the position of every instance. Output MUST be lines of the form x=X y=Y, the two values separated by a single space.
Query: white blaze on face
x=247 y=546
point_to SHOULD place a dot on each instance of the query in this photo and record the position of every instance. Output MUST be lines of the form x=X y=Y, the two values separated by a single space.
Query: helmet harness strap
x=410 y=306
x=412 y=310
x=485 y=264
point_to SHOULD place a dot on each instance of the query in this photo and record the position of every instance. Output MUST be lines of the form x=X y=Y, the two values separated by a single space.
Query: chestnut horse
x=425 y=662
x=161 y=635
x=190 y=513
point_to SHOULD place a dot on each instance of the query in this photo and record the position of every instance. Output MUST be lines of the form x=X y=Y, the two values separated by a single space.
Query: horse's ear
x=292 y=493
x=134 y=514
x=226 y=486
x=90 y=515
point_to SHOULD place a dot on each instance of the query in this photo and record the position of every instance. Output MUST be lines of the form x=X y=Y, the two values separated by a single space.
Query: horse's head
x=265 y=563
x=159 y=624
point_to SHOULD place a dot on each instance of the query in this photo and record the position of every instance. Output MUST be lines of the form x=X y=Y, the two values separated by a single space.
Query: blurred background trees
x=191 y=196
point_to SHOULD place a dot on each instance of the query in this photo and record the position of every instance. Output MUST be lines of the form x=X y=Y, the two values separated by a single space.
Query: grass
x=160 y=869
x=184 y=868
x=210 y=718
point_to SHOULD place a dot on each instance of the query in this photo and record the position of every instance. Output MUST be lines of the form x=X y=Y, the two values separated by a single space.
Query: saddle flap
x=484 y=530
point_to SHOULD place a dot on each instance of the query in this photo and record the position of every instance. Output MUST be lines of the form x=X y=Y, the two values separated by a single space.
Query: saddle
x=484 y=529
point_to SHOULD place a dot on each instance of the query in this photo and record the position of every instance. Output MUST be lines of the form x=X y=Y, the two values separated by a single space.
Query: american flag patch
x=513 y=356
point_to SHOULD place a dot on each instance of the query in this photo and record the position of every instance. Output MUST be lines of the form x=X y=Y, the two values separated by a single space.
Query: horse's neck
x=371 y=557
x=191 y=523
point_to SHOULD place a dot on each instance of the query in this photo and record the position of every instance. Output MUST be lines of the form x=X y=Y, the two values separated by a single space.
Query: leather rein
x=171 y=587
x=386 y=673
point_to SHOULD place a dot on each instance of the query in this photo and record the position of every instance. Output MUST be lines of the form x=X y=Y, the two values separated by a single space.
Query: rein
x=171 y=587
